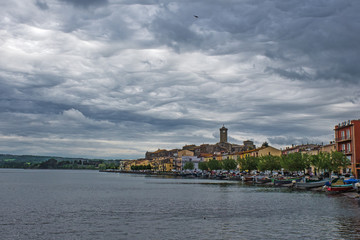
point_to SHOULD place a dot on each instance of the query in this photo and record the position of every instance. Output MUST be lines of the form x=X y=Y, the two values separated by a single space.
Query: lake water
x=62 y=204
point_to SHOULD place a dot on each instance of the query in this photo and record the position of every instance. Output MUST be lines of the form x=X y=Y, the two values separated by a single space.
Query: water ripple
x=92 y=205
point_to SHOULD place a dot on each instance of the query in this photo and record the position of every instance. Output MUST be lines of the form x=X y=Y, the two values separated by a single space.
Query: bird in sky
x=195 y=16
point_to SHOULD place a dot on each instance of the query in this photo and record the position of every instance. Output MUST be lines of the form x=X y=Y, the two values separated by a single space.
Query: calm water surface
x=61 y=204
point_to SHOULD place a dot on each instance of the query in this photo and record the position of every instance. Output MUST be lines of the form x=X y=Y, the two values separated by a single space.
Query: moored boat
x=262 y=179
x=310 y=184
x=280 y=182
x=338 y=185
x=248 y=178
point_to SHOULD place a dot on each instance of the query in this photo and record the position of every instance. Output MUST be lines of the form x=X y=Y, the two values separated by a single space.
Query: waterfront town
x=346 y=141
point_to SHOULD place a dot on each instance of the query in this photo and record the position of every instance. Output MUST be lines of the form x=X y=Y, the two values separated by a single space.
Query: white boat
x=310 y=184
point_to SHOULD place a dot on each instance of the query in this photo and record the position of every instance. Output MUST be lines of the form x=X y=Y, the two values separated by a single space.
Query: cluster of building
x=347 y=140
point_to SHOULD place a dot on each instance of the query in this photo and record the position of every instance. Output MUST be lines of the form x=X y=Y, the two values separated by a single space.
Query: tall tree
x=339 y=160
x=214 y=164
x=189 y=165
x=229 y=164
x=102 y=166
x=269 y=162
x=203 y=166
x=306 y=161
x=248 y=163
x=315 y=161
x=294 y=162
x=325 y=161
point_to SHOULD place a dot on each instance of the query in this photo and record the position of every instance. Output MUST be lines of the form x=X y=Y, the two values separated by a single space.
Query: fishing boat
x=262 y=179
x=305 y=184
x=279 y=182
x=338 y=185
x=248 y=178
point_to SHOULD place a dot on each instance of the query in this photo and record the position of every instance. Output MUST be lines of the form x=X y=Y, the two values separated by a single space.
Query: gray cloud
x=118 y=78
x=42 y=4
x=86 y=3
x=298 y=74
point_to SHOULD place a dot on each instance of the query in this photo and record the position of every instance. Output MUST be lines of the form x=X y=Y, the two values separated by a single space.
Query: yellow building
x=163 y=164
x=265 y=151
x=247 y=153
x=206 y=157
x=126 y=166
x=312 y=152
x=166 y=165
x=185 y=153
x=331 y=147
x=233 y=156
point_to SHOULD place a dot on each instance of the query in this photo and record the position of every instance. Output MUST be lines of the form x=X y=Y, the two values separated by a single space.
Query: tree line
x=55 y=164
x=141 y=167
x=293 y=162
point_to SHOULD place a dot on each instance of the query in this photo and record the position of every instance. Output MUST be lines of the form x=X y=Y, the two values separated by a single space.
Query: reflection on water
x=92 y=205
x=349 y=227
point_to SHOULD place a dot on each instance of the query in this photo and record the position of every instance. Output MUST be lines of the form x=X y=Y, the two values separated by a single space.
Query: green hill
x=53 y=162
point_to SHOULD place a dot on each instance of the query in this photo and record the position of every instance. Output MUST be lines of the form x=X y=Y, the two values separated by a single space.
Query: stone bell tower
x=223 y=134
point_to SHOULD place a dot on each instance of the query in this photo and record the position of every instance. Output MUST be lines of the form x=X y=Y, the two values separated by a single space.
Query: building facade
x=347 y=140
x=304 y=148
x=194 y=160
x=265 y=151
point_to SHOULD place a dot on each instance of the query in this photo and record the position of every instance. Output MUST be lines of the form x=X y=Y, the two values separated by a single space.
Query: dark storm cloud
x=321 y=35
x=42 y=4
x=118 y=78
x=86 y=3
x=300 y=74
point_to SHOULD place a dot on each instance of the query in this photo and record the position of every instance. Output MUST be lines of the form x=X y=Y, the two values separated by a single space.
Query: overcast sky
x=116 y=78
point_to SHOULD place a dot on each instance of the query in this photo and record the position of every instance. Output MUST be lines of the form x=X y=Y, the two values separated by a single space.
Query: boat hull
x=340 y=188
x=285 y=181
x=262 y=181
x=307 y=185
x=248 y=178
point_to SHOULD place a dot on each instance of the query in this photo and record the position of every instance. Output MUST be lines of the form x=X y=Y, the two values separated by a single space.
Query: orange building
x=347 y=140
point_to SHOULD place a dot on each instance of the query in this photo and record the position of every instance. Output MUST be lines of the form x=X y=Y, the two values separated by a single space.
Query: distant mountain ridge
x=37 y=159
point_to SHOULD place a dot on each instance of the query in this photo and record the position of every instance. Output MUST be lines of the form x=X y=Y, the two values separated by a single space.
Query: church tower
x=223 y=134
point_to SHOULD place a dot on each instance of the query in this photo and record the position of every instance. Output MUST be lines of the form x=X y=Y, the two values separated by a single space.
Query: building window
x=348 y=147
x=343 y=147
x=343 y=135
x=348 y=133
